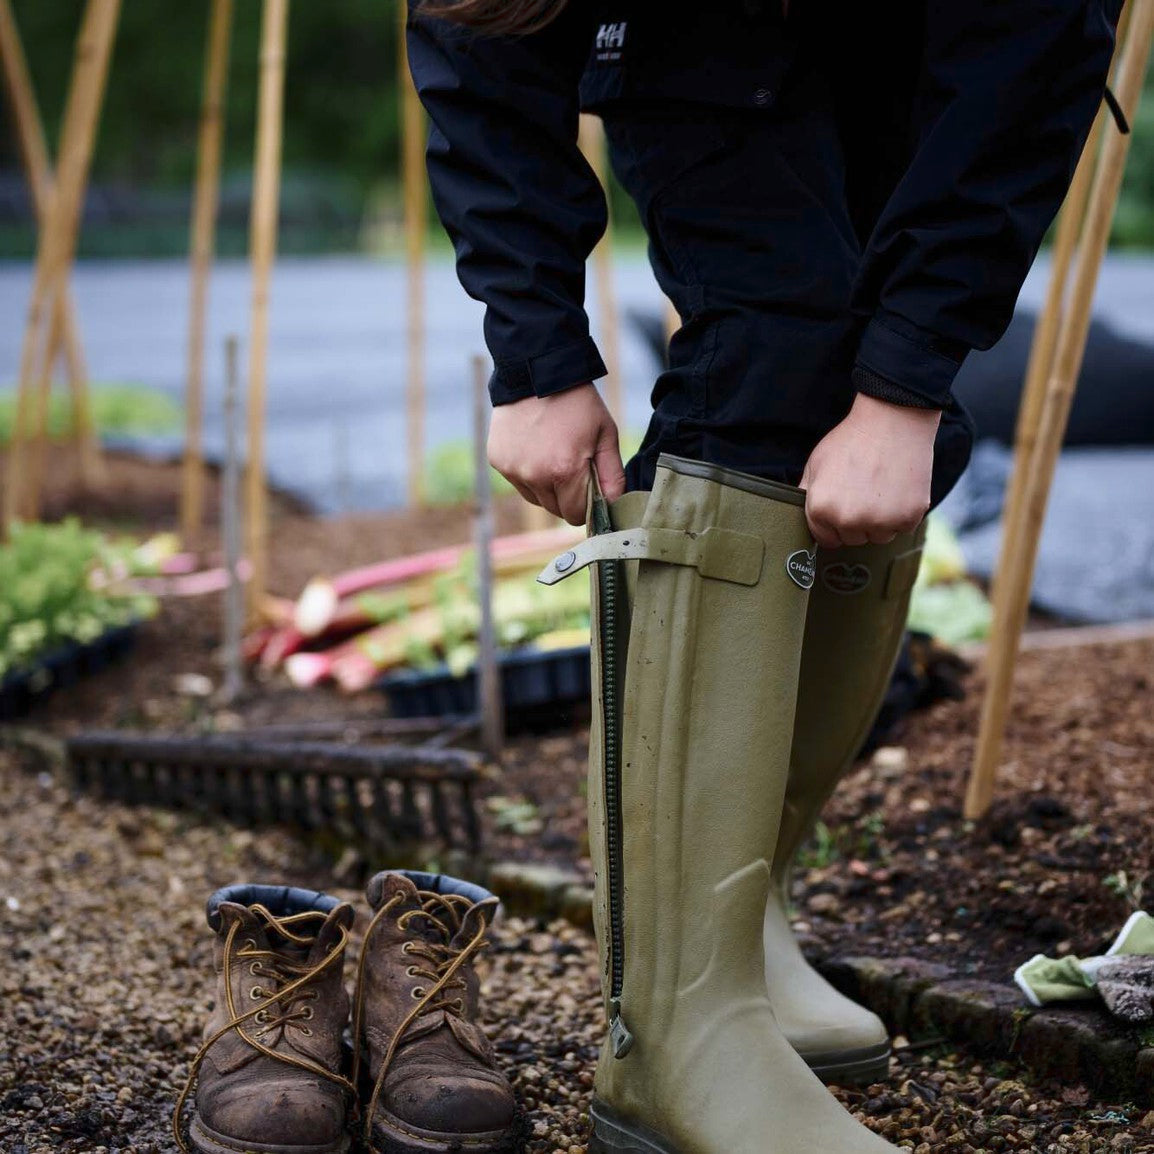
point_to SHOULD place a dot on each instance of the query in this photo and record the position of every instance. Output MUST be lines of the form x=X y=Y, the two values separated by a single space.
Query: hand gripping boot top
x=429 y=1077
x=269 y=1076
x=695 y=690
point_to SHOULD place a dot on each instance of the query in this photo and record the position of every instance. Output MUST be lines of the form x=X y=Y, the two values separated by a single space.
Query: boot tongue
x=387 y=884
x=480 y=915
x=342 y=917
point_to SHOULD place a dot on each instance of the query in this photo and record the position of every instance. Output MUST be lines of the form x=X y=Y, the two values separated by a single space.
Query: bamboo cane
x=230 y=524
x=34 y=153
x=1019 y=554
x=489 y=699
x=42 y=393
x=262 y=246
x=1045 y=338
x=1041 y=357
x=591 y=136
x=205 y=204
x=416 y=218
x=57 y=245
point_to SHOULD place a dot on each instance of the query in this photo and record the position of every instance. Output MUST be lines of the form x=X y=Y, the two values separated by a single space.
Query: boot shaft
x=854 y=628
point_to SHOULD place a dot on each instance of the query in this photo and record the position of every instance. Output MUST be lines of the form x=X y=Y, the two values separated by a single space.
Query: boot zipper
x=610 y=584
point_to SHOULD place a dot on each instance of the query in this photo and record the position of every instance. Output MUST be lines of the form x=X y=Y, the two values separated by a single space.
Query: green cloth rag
x=1045 y=980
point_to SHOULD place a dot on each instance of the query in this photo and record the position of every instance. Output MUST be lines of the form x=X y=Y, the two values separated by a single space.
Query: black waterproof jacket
x=962 y=121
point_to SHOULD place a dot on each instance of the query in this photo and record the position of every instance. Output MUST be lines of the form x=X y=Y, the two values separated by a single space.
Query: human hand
x=868 y=479
x=543 y=446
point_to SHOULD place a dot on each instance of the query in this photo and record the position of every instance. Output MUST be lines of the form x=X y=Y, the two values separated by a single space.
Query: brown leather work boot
x=429 y=1076
x=270 y=1074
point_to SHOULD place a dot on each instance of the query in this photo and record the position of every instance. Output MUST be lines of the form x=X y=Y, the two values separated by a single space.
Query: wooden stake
x=1045 y=339
x=1042 y=347
x=591 y=136
x=416 y=210
x=34 y=152
x=203 y=246
x=262 y=247
x=489 y=698
x=230 y=522
x=1019 y=554
x=58 y=238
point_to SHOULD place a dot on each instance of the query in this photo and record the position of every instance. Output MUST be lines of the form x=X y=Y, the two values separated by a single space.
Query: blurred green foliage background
x=341 y=136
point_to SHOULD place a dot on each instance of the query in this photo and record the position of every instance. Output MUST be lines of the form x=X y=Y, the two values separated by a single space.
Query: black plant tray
x=61 y=667
x=540 y=688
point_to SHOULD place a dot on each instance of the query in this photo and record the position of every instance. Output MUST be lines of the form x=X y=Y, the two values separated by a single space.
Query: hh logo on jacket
x=610 y=41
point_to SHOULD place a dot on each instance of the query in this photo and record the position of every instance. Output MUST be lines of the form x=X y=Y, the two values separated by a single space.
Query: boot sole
x=613 y=1135
x=209 y=1142
x=861 y=1067
x=392 y=1136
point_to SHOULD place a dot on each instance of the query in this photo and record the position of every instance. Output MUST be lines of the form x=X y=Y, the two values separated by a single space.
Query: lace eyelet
x=262 y=1017
x=413 y=972
x=416 y=993
x=248 y=944
x=460 y=1004
x=306 y=1031
x=307 y=1013
x=256 y=993
x=406 y=949
x=254 y=969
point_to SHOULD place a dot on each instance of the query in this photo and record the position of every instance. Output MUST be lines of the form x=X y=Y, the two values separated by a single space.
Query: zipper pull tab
x=619 y=1035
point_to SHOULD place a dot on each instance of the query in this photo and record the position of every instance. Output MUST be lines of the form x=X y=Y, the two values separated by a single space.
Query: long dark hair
x=497 y=17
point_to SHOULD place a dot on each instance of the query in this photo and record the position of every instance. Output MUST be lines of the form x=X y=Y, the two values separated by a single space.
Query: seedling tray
x=21 y=690
x=540 y=688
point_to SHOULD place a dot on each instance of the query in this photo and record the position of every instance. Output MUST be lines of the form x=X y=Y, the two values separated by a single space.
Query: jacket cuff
x=546 y=374
x=899 y=363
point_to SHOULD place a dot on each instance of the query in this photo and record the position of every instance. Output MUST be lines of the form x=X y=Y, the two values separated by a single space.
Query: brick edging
x=920 y=1000
x=923 y=1000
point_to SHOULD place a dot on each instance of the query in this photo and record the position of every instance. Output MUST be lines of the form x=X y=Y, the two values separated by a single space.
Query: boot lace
x=441 y=968
x=286 y=1000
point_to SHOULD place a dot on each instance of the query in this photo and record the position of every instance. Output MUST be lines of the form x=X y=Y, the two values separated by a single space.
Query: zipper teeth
x=609 y=579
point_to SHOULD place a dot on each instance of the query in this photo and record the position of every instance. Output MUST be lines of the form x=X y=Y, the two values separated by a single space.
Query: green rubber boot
x=854 y=628
x=695 y=697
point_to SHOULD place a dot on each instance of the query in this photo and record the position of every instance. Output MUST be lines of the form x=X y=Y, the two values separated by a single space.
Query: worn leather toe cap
x=451 y=1103
x=290 y=1112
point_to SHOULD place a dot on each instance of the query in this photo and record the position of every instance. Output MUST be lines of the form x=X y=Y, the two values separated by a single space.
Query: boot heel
x=614 y=1136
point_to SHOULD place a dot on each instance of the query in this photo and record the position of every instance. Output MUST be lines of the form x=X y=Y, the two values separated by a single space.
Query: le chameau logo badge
x=845 y=579
x=802 y=567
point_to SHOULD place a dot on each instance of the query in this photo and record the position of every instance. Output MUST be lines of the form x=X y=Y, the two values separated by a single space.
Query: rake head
x=385 y=800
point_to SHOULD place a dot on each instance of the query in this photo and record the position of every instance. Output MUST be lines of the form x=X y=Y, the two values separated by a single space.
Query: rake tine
x=359 y=809
x=410 y=824
x=469 y=815
x=441 y=819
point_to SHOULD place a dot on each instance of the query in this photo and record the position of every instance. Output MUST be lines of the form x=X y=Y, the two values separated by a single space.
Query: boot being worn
x=429 y=1076
x=853 y=631
x=688 y=767
x=269 y=1075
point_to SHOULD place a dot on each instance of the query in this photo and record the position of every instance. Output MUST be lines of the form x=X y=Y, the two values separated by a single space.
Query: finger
x=609 y=465
x=853 y=536
x=823 y=533
x=571 y=496
x=547 y=499
x=882 y=536
x=526 y=493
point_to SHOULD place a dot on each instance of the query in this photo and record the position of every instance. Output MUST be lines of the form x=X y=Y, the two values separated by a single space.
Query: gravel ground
x=108 y=977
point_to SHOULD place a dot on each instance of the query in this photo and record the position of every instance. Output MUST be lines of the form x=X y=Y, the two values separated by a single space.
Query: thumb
x=607 y=461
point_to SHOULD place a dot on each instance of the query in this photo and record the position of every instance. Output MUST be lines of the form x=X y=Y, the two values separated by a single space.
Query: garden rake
x=386 y=800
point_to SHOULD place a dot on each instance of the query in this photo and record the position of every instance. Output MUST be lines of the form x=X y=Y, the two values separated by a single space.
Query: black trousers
x=750 y=237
